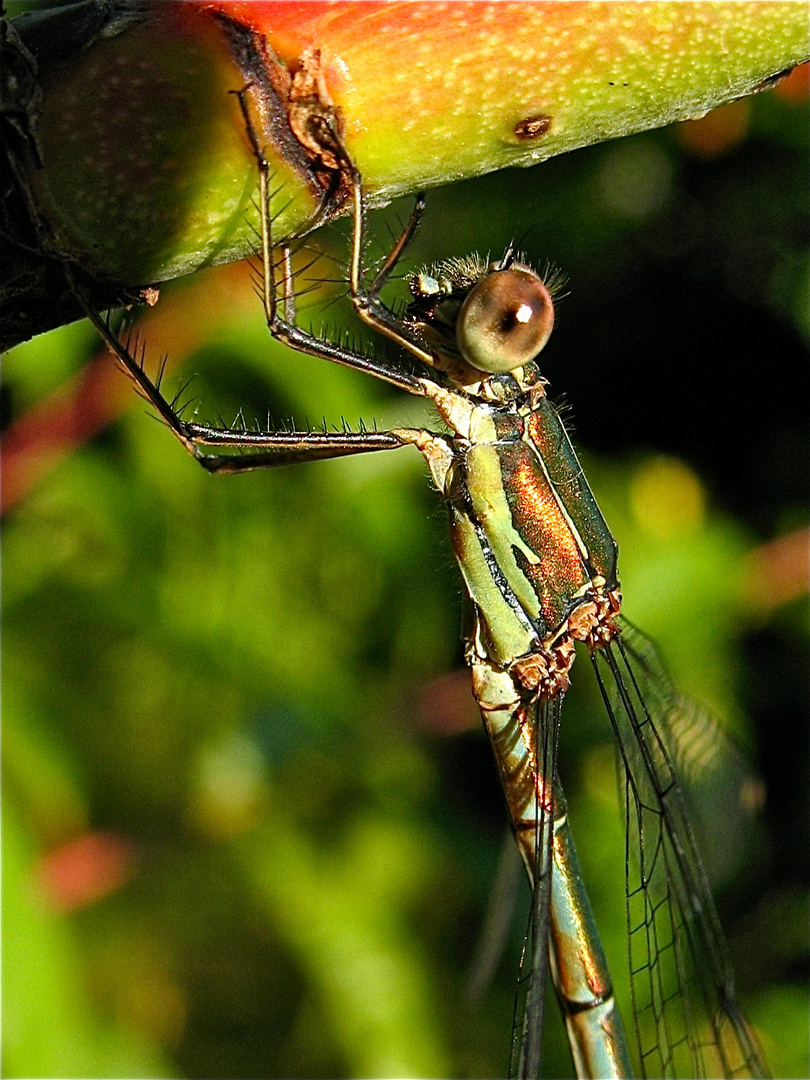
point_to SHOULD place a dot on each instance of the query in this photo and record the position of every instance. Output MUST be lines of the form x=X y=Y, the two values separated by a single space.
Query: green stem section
x=133 y=161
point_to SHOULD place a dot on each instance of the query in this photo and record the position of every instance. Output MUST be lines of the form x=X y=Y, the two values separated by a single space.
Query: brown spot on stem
x=532 y=127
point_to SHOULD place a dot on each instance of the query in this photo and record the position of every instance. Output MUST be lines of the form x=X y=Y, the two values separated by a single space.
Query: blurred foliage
x=251 y=826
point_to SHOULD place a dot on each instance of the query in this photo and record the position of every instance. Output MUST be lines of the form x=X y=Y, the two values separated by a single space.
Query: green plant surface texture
x=148 y=172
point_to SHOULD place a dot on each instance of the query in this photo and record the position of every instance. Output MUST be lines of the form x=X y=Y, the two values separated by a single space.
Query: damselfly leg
x=267 y=449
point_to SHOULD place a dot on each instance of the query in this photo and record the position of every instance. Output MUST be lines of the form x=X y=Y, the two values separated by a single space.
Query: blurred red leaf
x=85 y=869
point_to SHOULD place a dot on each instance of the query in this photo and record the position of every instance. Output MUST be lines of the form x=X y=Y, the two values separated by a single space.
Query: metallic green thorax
x=536 y=554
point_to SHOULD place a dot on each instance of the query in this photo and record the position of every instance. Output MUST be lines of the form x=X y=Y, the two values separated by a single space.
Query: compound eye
x=505 y=320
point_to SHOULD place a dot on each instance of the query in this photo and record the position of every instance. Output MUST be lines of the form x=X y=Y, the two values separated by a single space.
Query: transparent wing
x=687 y=1020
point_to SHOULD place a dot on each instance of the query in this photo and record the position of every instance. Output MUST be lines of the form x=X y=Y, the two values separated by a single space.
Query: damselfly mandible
x=540 y=567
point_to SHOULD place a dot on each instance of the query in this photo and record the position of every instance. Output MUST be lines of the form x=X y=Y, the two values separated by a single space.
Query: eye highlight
x=505 y=320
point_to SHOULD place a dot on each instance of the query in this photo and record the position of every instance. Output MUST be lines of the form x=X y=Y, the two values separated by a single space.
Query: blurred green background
x=251 y=826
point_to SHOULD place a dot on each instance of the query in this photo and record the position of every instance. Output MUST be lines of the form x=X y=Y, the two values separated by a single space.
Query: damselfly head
x=495 y=316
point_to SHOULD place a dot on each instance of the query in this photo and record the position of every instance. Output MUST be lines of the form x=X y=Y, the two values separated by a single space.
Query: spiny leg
x=284 y=328
x=271 y=448
x=367 y=302
x=268 y=448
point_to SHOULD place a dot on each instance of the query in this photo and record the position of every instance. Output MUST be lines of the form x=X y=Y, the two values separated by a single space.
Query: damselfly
x=540 y=567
